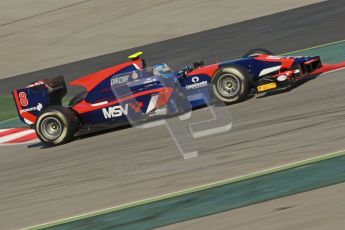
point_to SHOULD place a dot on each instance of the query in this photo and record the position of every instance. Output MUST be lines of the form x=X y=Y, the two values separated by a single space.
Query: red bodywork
x=92 y=80
x=89 y=82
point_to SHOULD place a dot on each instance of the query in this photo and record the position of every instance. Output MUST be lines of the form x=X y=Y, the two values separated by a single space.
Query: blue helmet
x=161 y=68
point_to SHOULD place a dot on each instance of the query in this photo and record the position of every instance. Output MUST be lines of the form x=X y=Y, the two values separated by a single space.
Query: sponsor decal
x=160 y=111
x=197 y=84
x=149 y=80
x=119 y=110
x=195 y=79
x=135 y=75
x=136 y=106
x=119 y=80
x=265 y=87
x=115 y=111
x=285 y=57
x=37 y=83
x=39 y=107
x=274 y=57
x=294 y=57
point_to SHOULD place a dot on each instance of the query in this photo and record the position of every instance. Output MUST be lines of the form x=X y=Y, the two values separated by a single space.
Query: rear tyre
x=56 y=125
x=231 y=84
x=256 y=52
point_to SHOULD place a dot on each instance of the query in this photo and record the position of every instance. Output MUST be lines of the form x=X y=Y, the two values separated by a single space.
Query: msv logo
x=119 y=110
x=115 y=111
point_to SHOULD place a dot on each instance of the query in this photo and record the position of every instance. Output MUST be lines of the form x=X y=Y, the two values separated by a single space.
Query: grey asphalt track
x=40 y=185
x=39 y=34
x=281 y=32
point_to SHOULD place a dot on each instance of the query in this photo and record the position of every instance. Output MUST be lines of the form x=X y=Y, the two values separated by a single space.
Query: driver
x=161 y=69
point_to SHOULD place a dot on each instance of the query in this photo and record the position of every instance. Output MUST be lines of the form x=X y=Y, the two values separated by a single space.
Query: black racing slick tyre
x=231 y=84
x=56 y=125
x=256 y=52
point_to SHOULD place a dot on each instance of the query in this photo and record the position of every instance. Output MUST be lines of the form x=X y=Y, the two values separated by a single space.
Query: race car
x=132 y=93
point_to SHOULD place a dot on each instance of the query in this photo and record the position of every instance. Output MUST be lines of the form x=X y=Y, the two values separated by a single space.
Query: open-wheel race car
x=130 y=92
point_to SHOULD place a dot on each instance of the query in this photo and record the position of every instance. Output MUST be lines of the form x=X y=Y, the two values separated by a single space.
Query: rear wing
x=31 y=100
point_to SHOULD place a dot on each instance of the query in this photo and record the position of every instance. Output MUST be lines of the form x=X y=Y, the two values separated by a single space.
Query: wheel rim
x=228 y=85
x=51 y=128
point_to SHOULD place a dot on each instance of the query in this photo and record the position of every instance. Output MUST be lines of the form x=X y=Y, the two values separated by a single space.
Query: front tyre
x=56 y=125
x=231 y=84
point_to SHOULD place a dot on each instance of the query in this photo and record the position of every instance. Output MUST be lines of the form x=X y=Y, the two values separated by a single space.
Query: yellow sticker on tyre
x=267 y=86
